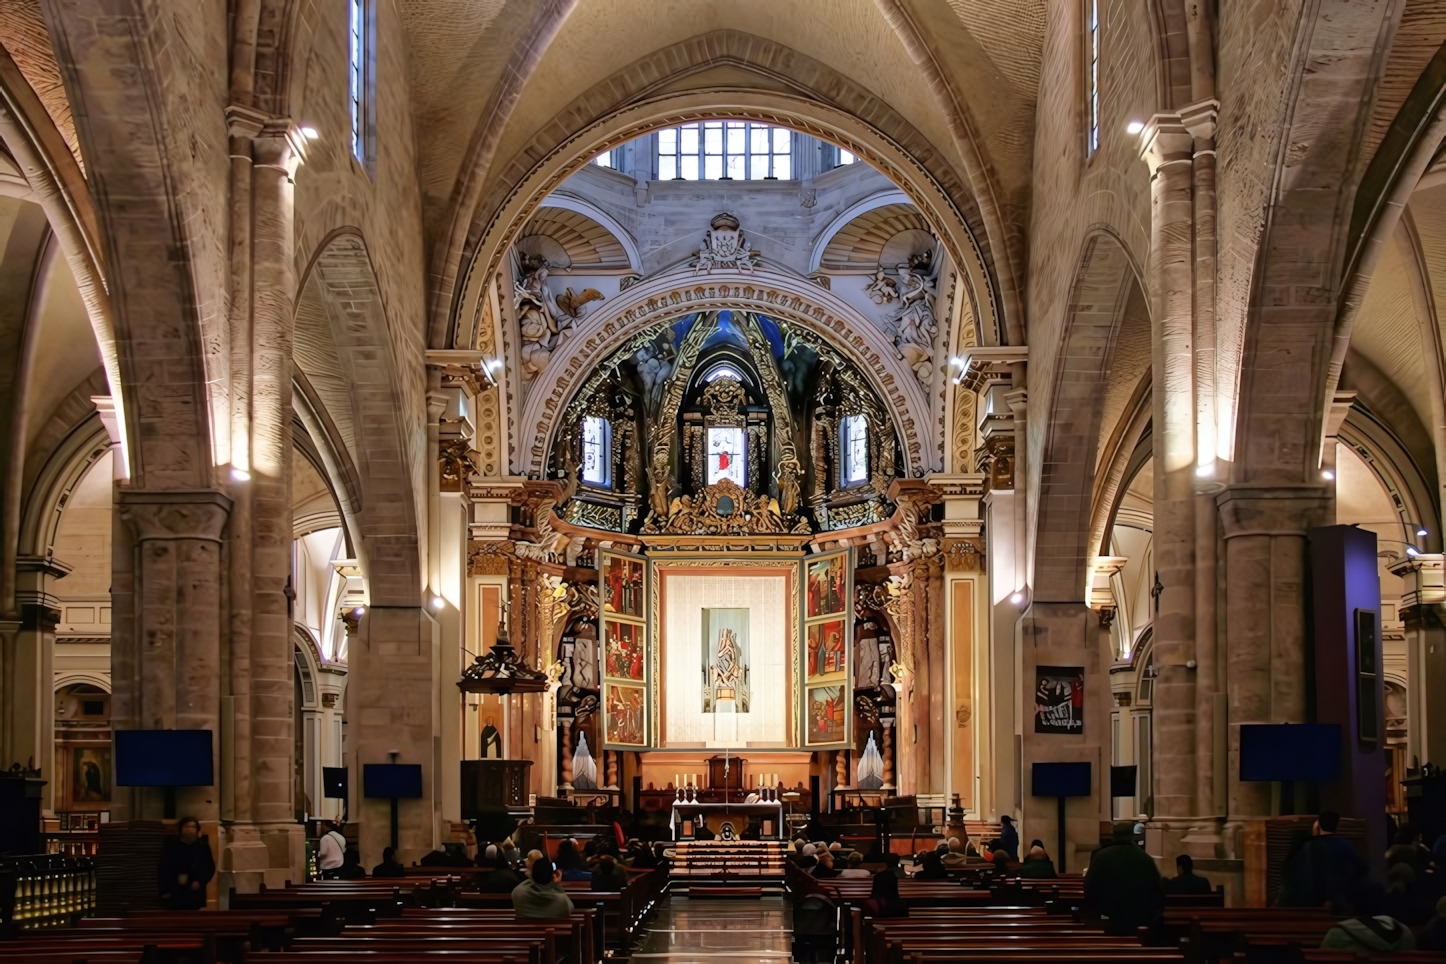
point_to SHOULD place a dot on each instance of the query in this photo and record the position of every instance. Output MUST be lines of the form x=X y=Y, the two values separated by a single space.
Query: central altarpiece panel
x=714 y=650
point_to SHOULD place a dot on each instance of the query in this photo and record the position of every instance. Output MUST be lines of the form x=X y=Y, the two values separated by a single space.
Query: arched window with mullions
x=1092 y=76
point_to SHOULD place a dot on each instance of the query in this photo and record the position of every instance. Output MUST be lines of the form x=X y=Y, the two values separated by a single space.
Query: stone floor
x=717 y=932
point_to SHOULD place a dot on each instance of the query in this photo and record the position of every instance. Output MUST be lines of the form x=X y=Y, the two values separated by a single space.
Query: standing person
x=331 y=850
x=1123 y=885
x=1009 y=837
x=186 y=868
x=1327 y=870
x=541 y=896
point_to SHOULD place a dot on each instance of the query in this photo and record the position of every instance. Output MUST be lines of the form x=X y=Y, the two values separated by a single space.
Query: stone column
x=34 y=656
x=1203 y=839
x=264 y=844
x=1422 y=605
x=391 y=709
x=1265 y=643
x=166 y=654
x=1168 y=150
x=995 y=459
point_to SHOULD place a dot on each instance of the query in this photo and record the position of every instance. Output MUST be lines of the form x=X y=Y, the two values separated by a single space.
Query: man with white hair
x=954 y=853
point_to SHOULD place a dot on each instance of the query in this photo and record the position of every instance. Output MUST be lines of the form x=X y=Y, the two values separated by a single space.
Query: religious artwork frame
x=1059 y=694
x=759 y=611
x=90 y=776
x=626 y=652
x=826 y=656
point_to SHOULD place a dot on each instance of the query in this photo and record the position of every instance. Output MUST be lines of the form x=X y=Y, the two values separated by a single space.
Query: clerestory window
x=717 y=150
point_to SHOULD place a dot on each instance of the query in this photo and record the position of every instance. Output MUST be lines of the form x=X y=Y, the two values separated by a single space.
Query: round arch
x=766 y=292
x=66 y=466
x=820 y=102
x=570 y=202
x=858 y=209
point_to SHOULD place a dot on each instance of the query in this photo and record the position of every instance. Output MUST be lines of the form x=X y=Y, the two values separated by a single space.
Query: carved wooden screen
x=626 y=669
x=826 y=657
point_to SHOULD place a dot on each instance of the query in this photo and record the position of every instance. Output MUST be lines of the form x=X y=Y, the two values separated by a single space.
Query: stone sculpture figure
x=917 y=327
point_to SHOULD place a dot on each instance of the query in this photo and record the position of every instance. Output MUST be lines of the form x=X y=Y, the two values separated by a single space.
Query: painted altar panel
x=826 y=664
x=625 y=656
x=727 y=646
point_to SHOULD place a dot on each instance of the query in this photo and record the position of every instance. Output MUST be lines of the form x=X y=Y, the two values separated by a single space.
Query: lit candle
x=675 y=781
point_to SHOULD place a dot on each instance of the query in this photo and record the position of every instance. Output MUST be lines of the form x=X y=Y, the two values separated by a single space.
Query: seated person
x=954 y=855
x=825 y=866
x=451 y=855
x=570 y=862
x=502 y=880
x=932 y=869
x=1185 y=880
x=390 y=865
x=1037 y=865
x=608 y=875
x=855 y=866
x=351 y=868
x=1370 y=935
x=541 y=896
x=894 y=865
x=884 y=900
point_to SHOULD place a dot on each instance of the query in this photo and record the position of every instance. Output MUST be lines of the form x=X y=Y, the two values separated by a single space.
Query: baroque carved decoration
x=489 y=558
x=455 y=466
x=916 y=325
x=724 y=246
x=632 y=329
x=725 y=509
x=964 y=555
x=995 y=459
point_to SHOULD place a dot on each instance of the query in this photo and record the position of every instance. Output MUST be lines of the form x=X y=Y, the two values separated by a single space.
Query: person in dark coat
x=884 y=899
x=351 y=868
x=608 y=875
x=390 y=865
x=1123 y=885
x=932 y=868
x=1185 y=880
x=1326 y=870
x=502 y=879
x=1009 y=837
x=186 y=868
x=1037 y=865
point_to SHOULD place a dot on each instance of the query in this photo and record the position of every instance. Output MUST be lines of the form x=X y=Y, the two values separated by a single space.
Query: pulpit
x=725 y=773
x=494 y=786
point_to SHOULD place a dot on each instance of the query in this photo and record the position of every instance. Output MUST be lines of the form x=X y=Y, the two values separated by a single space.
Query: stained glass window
x=596 y=450
x=854 y=431
x=726 y=455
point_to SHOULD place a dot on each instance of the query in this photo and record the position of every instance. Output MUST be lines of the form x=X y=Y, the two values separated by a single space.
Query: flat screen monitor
x=1123 y=781
x=1290 y=751
x=1061 y=780
x=163 y=758
x=400 y=780
x=334 y=783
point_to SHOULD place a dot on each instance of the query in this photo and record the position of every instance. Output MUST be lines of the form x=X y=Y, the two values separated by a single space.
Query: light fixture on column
x=1134 y=127
x=310 y=133
x=436 y=602
x=1327 y=474
x=240 y=475
x=1412 y=551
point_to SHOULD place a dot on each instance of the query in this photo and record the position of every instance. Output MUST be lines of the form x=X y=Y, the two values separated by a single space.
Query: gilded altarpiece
x=626 y=678
x=826 y=663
